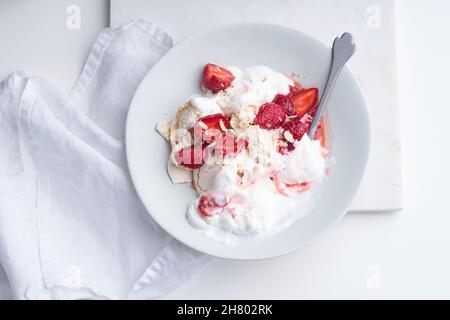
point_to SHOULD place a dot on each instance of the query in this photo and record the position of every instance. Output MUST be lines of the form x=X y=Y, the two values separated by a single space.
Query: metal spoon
x=343 y=49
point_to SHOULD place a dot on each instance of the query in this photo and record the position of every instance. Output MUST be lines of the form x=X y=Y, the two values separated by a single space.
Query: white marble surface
x=402 y=255
x=34 y=37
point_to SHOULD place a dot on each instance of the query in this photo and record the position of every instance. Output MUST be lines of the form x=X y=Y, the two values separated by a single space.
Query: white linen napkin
x=71 y=224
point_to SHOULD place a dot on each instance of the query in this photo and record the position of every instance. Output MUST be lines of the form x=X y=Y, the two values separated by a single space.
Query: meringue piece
x=163 y=128
x=205 y=106
x=178 y=174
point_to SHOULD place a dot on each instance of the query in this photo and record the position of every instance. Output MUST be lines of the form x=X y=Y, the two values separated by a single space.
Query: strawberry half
x=192 y=157
x=305 y=100
x=270 y=116
x=216 y=78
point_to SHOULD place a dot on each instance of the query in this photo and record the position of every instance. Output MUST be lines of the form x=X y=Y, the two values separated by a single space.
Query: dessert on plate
x=244 y=147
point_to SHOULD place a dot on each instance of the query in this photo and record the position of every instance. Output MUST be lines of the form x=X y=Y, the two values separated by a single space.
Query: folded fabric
x=71 y=224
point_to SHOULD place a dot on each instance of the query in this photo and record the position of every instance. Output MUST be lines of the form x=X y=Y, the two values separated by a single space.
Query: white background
x=391 y=255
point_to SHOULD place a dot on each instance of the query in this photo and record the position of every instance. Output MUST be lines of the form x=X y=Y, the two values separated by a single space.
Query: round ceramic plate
x=175 y=78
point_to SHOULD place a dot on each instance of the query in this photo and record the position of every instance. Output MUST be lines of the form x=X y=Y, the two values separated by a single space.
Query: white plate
x=175 y=78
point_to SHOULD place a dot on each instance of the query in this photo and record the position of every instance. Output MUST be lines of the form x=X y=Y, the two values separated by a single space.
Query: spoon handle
x=343 y=49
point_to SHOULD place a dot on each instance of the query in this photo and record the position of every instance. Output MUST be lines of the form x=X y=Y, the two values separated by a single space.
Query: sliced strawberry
x=216 y=78
x=297 y=128
x=270 y=116
x=305 y=100
x=286 y=103
x=213 y=121
x=192 y=157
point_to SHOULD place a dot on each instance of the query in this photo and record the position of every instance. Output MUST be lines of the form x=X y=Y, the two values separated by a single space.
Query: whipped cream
x=255 y=200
